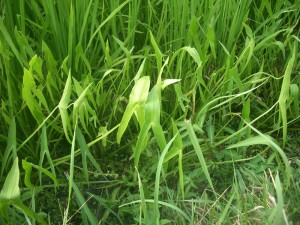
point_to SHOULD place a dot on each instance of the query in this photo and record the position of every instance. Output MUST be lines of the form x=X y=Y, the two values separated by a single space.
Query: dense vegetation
x=149 y=112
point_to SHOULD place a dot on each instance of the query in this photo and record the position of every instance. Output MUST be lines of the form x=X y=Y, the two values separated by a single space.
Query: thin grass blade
x=198 y=151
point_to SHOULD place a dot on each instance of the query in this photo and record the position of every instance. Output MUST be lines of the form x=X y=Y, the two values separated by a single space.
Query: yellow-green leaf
x=11 y=190
x=137 y=97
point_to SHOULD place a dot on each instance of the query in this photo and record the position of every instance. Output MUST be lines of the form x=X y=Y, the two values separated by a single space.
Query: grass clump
x=157 y=112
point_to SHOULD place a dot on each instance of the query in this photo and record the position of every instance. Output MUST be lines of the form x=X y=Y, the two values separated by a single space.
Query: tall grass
x=149 y=112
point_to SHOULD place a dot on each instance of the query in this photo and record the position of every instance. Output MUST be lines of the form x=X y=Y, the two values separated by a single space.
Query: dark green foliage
x=149 y=112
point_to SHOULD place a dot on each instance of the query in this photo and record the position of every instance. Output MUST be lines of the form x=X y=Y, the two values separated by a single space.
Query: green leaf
x=210 y=129
x=278 y=216
x=166 y=204
x=71 y=176
x=28 y=168
x=122 y=46
x=266 y=140
x=157 y=178
x=257 y=140
x=247 y=52
x=109 y=17
x=65 y=99
x=32 y=94
x=85 y=148
x=181 y=98
x=140 y=71
x=177 y=145
x=11 y=190
x=28 y=212
x=225 y=211
x=141 y=142
x=284 y=94
x=159 y=135
x=45 y=150
x=211 y=40
x=63 y=105
x=102 y=131
x=80 y=55
x=159 y=82
x=198 y=151
x=137 y=97
x=28 y=96
x=84 y=206
x=177 y=150
x=81 y=97
x=194 y=54
x=294 y=92
x=152 y=106
x=168 y=82
x=142 y=197
x=158 y=53
x=10 y=42
x=152 y=120
x=11 y=145
x=49 y=58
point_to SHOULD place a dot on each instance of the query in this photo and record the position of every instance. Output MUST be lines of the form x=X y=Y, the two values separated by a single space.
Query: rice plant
x=149 y=112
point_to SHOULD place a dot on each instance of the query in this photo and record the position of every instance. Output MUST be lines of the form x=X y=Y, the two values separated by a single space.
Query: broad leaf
x=137 y=97
x=11 y=190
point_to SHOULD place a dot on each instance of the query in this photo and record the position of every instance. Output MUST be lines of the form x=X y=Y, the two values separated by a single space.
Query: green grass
x=149 y=112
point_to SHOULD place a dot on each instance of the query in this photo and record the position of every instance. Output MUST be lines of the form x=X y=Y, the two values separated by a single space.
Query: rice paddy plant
x=149 y=112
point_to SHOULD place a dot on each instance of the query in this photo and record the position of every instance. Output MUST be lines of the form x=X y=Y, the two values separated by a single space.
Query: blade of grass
x=267 y=140
x=113 y=13
x=28 y=167
x=86 y=210
x=225 y=211
x=175 y=208
x=294 y=89
x=45 y=151
x=158 y=53
x=177 y=150
x=142 y=196
x=284 y=94
x=11 y=145
x=71 y=176
x=198 y=151
x=63 y=105
x=157 y=180
x=7 y=37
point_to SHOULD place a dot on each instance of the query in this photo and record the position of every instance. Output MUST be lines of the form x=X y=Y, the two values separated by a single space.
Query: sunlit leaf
x=137 y=97
x=284 y=94
x=63 y=105
x=10 y=190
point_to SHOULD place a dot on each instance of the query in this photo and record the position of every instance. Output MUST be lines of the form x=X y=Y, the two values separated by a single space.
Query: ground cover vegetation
x=149 y=112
